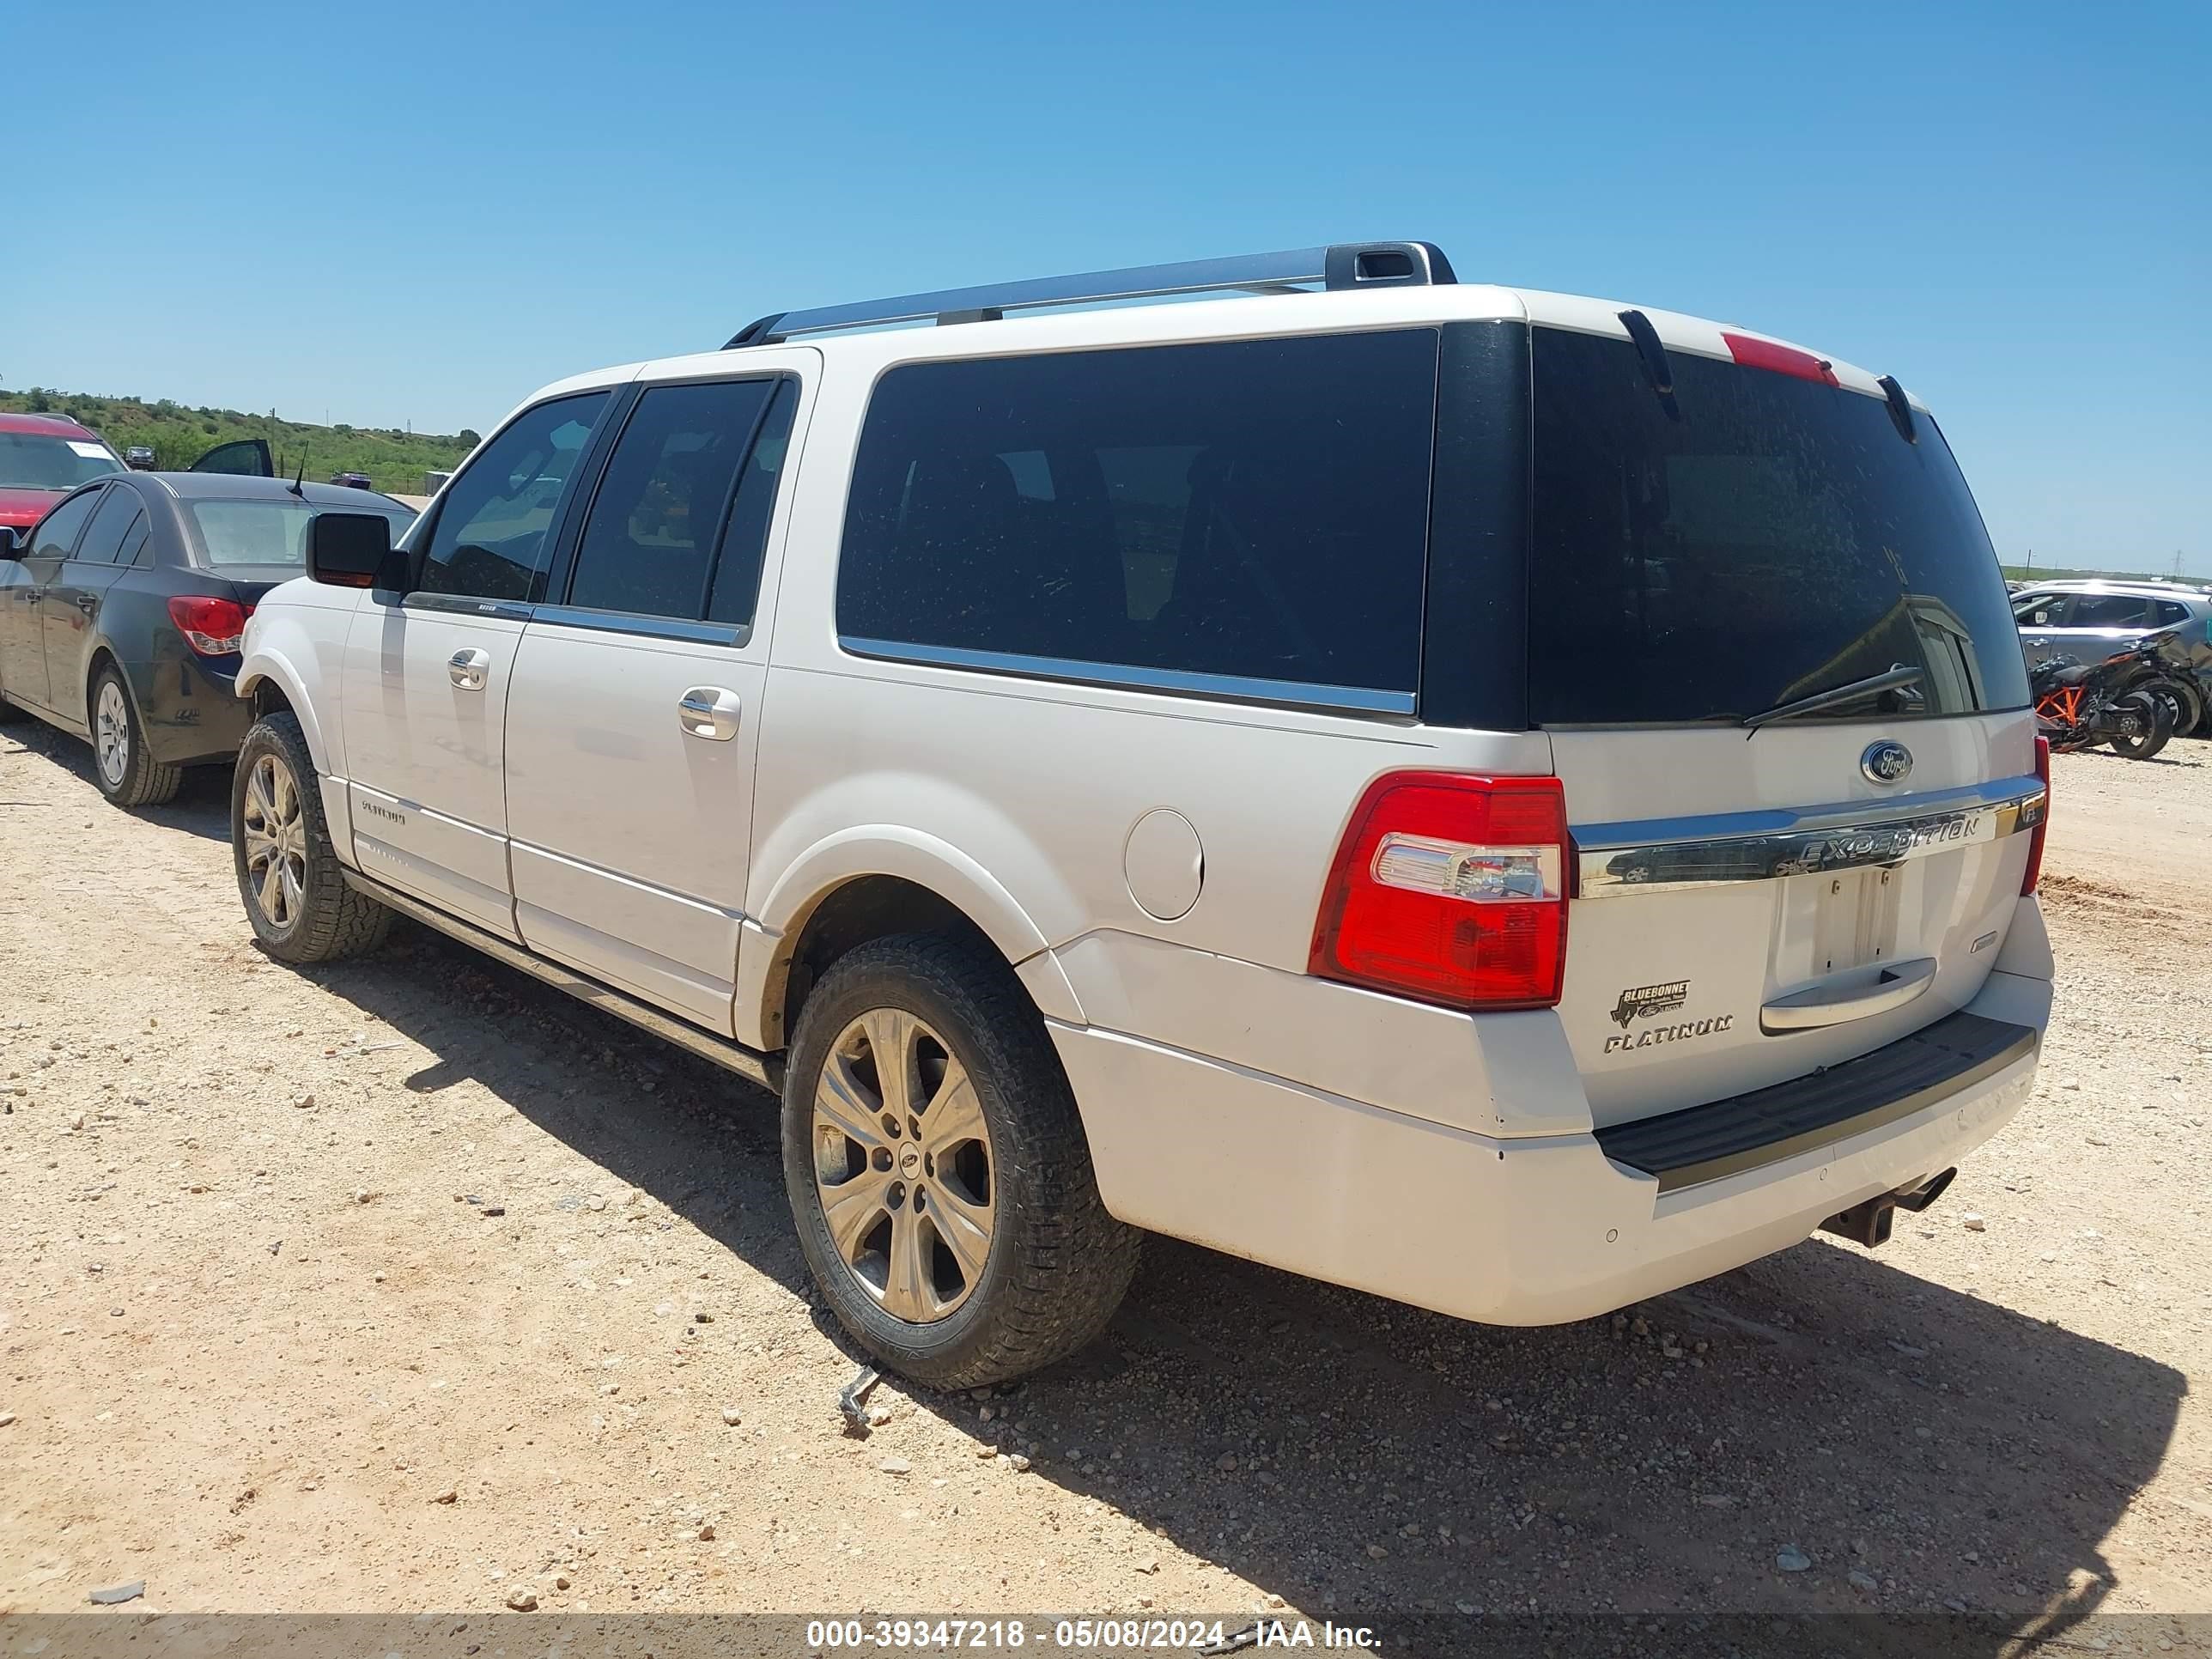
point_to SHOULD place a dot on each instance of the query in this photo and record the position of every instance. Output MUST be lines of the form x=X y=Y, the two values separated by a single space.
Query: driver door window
x=55 y=537
x=494 y=527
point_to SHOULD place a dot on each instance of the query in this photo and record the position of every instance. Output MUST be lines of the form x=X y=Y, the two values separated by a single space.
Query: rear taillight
x=2034 y=872
x=1451 y=889
x=213 y=627
x=1782 y=359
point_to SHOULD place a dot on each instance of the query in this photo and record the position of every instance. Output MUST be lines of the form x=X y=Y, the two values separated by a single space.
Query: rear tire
x=122 y=765
x=289 y=877
x=2154 y=725
x=1025 y=1266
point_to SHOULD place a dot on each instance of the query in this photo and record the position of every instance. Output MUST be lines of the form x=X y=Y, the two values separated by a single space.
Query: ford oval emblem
x=1886 y=762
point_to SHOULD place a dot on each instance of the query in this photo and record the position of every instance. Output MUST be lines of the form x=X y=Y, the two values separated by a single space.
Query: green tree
x=468 y=438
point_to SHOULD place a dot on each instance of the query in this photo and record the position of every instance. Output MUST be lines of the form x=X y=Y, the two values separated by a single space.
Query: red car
x=42 y=459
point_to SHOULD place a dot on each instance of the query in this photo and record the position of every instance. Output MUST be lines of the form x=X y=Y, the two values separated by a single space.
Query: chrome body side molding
x=1669 y=854
x=1289 y=694
x=651 y=628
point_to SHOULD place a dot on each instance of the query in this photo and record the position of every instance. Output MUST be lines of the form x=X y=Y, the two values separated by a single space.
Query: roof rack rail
x=1340 y=266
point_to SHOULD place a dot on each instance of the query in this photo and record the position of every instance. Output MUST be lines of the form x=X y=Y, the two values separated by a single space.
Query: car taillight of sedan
x=212 y=627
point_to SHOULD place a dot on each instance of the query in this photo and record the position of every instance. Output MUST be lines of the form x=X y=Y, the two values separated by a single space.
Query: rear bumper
x=191 y=708
x=1515 y=1231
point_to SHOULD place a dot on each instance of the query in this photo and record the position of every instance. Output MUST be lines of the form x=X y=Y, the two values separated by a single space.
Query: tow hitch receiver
x=1868 y=1223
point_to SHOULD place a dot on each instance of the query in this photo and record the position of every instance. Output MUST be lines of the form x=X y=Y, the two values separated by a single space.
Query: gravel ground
x=407 y=1284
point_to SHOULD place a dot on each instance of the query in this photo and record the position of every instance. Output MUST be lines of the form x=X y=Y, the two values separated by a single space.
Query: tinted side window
x=119 y=513
x=2110 y=611
x=490 y=539
x=246 y=457
x=2168 y=613
x=1256 y=509
x=134 y=549
x=56 y=532
x=651 y=533
x=736 y=572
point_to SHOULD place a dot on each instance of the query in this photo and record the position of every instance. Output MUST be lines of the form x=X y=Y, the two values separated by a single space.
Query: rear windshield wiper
x=1652 y=354
x=1895 y=678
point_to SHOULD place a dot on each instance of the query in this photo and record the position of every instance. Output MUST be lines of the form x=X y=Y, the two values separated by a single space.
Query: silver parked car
x=2088 y=620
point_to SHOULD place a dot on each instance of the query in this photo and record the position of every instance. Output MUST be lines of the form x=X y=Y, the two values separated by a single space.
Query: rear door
x=1758 y=901
x=426 y=677
x=2096 y=625
x=634 y=716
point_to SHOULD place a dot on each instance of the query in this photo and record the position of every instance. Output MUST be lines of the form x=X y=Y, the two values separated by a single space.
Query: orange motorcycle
x=2121 y=700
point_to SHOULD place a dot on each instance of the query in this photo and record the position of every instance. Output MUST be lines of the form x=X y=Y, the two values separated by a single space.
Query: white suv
x=1501 y=800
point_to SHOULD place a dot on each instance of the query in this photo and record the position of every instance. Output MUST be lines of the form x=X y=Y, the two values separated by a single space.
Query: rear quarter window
x=1247 y=511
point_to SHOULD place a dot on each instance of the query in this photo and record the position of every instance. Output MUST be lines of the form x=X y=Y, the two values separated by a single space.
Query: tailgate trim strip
x=1750 y=1131
x=1661 y=856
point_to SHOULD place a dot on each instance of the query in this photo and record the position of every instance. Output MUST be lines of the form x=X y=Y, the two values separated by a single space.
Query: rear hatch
x=1721 y=528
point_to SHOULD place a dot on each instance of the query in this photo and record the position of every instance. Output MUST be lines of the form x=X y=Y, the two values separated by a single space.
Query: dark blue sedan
x=121 y=612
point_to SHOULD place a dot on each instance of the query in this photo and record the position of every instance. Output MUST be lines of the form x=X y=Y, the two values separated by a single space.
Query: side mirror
x=349 y=549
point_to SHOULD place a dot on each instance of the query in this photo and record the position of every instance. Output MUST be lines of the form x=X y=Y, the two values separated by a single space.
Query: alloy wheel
x=110 y=735
x=275 y=841
x=903 y=1166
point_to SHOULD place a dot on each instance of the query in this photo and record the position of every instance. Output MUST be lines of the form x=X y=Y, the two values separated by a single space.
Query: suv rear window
x=1250 y=509
x=1779 y=540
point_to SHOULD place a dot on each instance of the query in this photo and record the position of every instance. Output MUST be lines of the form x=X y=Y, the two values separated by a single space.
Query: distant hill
x=2021 y=573
x=179 y=433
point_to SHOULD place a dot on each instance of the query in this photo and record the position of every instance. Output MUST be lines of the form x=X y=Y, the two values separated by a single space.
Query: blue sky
x=400 y=213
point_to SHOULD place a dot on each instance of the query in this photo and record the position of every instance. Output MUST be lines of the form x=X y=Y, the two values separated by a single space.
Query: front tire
x=122 y=765
x=937 y=1170
x=288 y=875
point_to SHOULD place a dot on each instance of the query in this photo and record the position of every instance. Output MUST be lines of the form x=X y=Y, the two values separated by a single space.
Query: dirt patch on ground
x=407 y=1284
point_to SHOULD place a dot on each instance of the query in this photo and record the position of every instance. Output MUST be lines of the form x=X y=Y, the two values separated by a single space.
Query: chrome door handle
x=708 y=712
x=468 y=669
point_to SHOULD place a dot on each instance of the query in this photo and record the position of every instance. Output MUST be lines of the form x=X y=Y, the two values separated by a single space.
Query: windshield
x=271 y=531
x=1780 y=540
x=33 y=460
